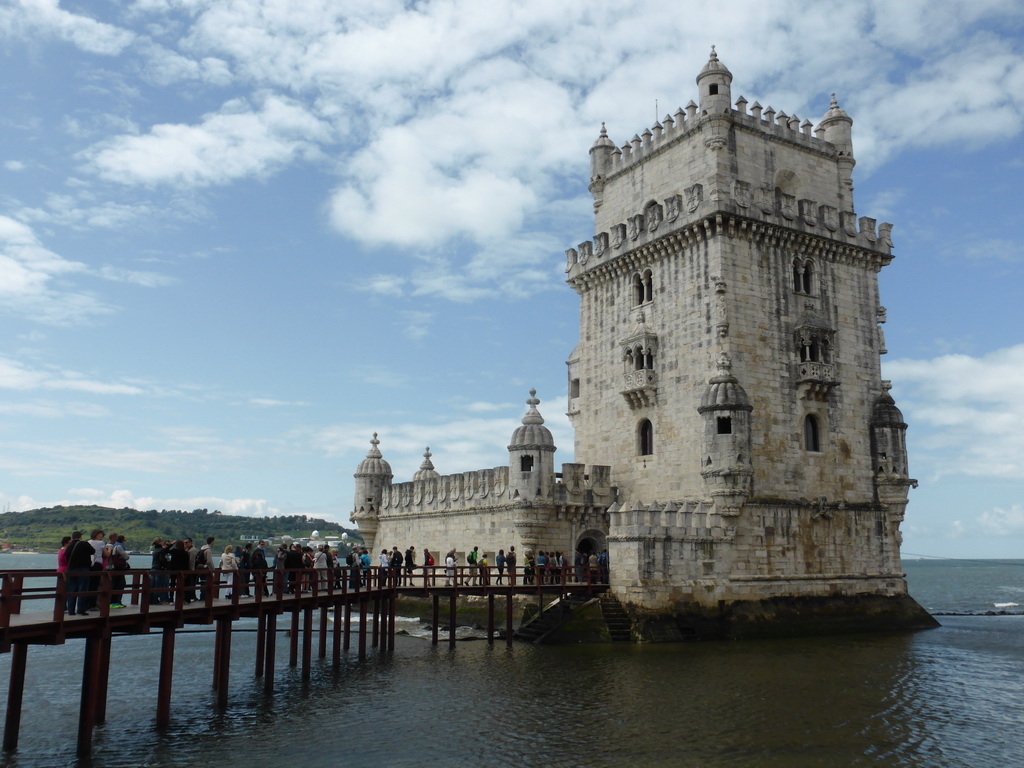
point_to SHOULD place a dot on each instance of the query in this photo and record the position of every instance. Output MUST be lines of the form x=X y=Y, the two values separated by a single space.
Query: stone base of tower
x=782 y=617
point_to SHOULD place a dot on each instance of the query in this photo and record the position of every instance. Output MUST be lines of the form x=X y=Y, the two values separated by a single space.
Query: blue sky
x=237 y=238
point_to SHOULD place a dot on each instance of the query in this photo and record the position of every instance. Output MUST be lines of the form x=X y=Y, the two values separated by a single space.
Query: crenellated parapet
x=461 y=491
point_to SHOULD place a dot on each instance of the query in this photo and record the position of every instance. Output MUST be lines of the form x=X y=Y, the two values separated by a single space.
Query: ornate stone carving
x=741 y=194
x=787 y=206
x=586 y=251
x=694 y=197
x=848 y=220
x=653 y=215
x=636 y=226
x=600 y=244
x=829 y=217
x=766 y=200
x=809 y=212
x=673 y=207
x=618 y=235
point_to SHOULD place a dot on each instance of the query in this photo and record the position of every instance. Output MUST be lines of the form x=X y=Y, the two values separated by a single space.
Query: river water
x=952 y=696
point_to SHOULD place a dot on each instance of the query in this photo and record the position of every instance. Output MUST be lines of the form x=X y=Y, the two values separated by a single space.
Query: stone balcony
x=815 y=379
x=640 y=388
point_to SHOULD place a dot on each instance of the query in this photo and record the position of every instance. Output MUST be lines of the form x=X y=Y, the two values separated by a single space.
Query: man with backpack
x=204 y=562
x=472 y=560
x=258 y=562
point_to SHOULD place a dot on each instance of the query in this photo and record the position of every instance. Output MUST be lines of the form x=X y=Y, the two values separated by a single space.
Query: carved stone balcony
x=815 y=379
x=640 y=388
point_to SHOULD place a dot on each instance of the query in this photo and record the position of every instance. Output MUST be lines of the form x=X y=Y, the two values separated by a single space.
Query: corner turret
x=836 y=127
x=371 y=476
x=714 y=82
x=725 y=464
x=600 y=165
x=531 y=456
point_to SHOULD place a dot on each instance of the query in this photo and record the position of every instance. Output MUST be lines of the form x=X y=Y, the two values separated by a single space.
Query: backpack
x=201 y=559
x=471 y=558
x=118 y=561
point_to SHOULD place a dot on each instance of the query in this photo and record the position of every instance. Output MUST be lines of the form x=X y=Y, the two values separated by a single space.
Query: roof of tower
x=886 y=414
x=374 y=463
x=533 y=433
x=714 y=67
x=426 y=470
x=603 y=140
x=835 y=112
x=723 y=391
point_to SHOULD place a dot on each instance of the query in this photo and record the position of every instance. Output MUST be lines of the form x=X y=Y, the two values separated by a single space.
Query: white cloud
x=266 y=402
x=120 y=498
x=14 y=375
x=14 y=165
x=29 y=19
x=237 y=142
x=1003 y=522
x=970 y=408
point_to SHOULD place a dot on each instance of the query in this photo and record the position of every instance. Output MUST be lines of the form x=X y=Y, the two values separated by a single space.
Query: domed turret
x=531 y=455
x=838 y=128
x=714 y=82
x=426 y=470
x=725 y=465
x=371 y=476
x=600 y=161
x=374 y=464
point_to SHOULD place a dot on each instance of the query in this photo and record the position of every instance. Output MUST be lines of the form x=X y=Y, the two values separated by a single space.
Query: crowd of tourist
x=178 y=565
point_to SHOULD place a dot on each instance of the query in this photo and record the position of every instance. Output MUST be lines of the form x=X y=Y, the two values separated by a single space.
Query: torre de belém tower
x=737 y=451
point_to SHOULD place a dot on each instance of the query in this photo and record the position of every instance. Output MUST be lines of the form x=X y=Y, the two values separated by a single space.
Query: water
x=947 y=697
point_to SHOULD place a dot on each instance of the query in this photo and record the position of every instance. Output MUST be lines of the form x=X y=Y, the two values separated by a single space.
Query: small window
x=713 y=89
x=812 y=434
x=526 y=464
x=648 y=281
x=645 y=435
x=574 y=388
x=638 y=291
x=725 y=425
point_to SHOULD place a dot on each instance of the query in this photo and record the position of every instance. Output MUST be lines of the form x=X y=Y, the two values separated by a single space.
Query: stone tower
x=728 y=366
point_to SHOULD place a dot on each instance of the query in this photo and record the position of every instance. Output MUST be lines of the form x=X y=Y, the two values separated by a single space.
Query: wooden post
x=307 y=641
x=268 y=670
x=347 y=640
x=391 y=620
x=436 y=618
x=225 y=662
x=508 y=618
x=293 y=651
x=261 y=636
x=103 y=676
x=216 y=654
x=362 y=628
x=490 y=618
x=451 y=619
x=338 y=624
x=87 y=703
x=323 y=632
x=163 y=695
x=376 y=620
x=15 y=691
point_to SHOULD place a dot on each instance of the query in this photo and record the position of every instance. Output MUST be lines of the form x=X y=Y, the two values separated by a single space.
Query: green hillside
x=42 y=529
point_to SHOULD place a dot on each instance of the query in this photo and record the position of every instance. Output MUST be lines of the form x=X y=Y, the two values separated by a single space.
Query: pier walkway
x=33 y=612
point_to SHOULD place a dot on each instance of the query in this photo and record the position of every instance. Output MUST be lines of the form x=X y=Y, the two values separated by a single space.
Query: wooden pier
x=309 y=596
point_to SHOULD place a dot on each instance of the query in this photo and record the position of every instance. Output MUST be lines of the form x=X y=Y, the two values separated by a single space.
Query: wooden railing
x=144 y=589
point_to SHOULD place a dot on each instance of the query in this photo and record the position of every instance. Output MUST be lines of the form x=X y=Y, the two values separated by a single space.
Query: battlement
x=484 y=488
x=673 y=128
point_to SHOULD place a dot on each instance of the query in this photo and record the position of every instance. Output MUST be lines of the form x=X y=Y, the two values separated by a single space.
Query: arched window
x=812 y=434
x=803 y=276
x=645 y=438
x=638 y=291
x=648 y=282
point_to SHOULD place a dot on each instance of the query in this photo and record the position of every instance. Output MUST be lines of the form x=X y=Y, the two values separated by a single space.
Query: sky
x=237 y=238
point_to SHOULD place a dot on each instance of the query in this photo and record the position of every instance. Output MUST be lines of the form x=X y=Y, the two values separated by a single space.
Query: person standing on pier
x=258 y=562
x=499 y=560
x=79 y=557
x=117 y=564
x=410 y=564
x=229 y=565
x=510 y=564
x=191 y=579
